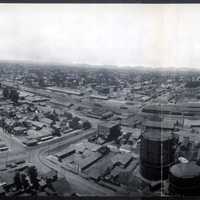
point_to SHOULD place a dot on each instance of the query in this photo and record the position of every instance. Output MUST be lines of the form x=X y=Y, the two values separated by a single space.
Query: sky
x=105 y=34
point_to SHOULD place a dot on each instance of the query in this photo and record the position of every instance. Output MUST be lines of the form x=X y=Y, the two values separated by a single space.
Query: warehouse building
x=99 y=97
x=65 y=91
x=109 y=130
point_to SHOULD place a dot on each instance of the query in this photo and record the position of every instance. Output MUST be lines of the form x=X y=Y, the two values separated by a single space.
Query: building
x=19 y=130
x=99 y=113
x=3 y=146
x=65 y=91
x=36 y=124
x=88 y=161
x=30 y=142
x=109 y=130
x=39 y=135
x=188 y=110
x=99 y=97
x=122 y=159
x=65 y=153
x=187 y=133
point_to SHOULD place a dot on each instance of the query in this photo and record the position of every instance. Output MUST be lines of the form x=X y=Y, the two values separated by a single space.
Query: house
x=46 y=120
x=36 y=124
x=19 y=130
x=30 y=142
x=186 y=133
x=192 y=123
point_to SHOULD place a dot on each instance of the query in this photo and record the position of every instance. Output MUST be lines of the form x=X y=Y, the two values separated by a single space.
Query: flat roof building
x=65 y=91
x=109 y=130
x=99 y=97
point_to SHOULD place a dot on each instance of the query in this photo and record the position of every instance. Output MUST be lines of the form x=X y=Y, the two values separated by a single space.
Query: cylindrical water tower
x=156 y=154
x=184 y=179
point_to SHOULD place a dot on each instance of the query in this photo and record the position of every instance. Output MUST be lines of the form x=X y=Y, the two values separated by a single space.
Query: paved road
x=11 y=141
x=79 y=184
x=37 y=155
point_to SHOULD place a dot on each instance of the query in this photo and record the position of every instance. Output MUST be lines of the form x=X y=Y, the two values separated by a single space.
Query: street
x=37 y=155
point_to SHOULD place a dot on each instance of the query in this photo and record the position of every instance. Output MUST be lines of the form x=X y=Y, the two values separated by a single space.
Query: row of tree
x=25 y=181
x=29 y=181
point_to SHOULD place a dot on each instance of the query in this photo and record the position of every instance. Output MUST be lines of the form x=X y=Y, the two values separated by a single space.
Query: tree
x=68 y=115
x=14 y=96
x=17 y=181
x=104 y=150
x=86 y=125
x=6 y=92
x=77 y=119
x=36 y=118
x=55 y=177
x=49 y=184
x=24 y=181
x=2 y=123
x=52 y=115
x=41 y=82
x=74 y=123
x=56 y=132
x=33 y=174
x=11 y=93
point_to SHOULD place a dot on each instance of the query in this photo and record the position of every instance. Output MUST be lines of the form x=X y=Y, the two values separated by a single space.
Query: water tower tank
x=156 y=154
x=184 y=179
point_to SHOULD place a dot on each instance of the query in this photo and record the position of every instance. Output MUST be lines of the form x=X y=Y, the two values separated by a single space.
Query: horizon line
x=79 y=64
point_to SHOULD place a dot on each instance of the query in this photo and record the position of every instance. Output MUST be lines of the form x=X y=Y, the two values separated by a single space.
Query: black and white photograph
x=99 y=100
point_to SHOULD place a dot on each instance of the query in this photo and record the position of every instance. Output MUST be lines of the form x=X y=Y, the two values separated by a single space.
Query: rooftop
x=185 y=170
x=122 y=158
x=109 y=124
x=99 y=97
x=57 y=89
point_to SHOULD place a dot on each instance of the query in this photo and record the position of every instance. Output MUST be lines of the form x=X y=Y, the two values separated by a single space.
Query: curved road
x=38 y=154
